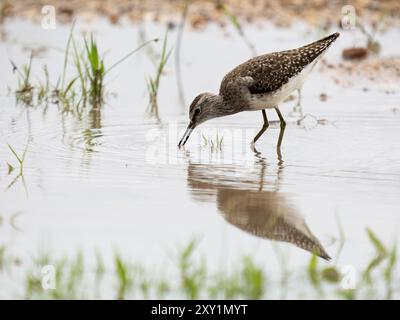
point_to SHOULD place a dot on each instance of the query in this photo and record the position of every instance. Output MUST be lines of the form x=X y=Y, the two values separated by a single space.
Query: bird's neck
x=222 y=107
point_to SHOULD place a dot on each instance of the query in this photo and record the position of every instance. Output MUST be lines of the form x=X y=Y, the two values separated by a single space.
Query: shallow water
x=115 y=179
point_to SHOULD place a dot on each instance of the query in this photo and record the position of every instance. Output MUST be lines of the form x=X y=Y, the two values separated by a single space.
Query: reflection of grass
x=21 y=161
x=192 y=278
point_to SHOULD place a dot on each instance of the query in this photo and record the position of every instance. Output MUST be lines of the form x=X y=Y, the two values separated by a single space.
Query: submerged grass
x=21 y=162
x=192 y=278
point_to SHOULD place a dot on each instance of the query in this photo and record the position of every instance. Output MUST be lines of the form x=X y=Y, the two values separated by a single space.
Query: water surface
x=115 y=179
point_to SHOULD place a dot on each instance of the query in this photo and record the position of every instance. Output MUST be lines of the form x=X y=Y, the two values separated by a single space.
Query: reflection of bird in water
x=266 y=214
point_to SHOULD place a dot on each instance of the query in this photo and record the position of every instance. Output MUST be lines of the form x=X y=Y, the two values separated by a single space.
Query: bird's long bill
x=186 y=135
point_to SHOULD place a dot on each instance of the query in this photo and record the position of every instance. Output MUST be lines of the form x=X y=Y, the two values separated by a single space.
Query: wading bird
x=260 y=83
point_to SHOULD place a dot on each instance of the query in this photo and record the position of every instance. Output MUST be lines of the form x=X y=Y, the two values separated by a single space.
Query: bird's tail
x=315 y=49
x=329 y=39
x=324 y=43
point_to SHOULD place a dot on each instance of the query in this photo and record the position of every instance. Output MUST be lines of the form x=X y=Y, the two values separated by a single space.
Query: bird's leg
x=264 y=127
x=283 y=126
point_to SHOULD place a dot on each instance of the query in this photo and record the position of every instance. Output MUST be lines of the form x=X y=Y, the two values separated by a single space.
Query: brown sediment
x=371 y=73
x=322 y=13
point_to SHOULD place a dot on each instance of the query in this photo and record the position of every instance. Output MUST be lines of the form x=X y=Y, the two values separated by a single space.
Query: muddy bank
x=321 y=13
x=373 y=73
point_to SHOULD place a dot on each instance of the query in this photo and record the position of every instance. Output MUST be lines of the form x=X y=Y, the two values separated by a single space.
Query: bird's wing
x=270 y=71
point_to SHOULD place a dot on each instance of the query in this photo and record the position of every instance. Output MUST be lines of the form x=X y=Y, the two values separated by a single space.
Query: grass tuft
x=215 y=144
x=25 y=90
x=123 y=276
x=95 y=72
x=192 y=279
x=86 y=87
x=153 y=83
x=192 y=275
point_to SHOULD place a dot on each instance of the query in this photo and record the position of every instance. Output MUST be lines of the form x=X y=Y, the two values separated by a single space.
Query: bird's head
x=203 y=108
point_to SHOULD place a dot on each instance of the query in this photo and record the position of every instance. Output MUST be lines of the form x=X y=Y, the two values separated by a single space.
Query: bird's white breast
x=273 y=99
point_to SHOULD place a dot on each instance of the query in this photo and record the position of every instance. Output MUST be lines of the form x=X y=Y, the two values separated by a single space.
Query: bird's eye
x=197 y=111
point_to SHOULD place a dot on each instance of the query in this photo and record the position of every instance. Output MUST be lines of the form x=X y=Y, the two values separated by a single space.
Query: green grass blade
x=313 y=270
x=71 y=32
x=70 y=84
x=129 y=54
x=380 y=248
x=15 y=154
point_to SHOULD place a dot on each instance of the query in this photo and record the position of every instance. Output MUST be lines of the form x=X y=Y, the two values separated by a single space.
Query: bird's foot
x=254 y=149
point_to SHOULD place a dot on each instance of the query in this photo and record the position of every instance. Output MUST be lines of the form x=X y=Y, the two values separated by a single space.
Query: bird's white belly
x=273 y=99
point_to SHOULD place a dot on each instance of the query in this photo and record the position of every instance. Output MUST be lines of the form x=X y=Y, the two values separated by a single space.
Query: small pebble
x=323 y=97
x=354 y=53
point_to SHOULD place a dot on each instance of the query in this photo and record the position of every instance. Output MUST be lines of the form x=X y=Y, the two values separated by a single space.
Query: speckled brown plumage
x=271 y=71
x=258 y=84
